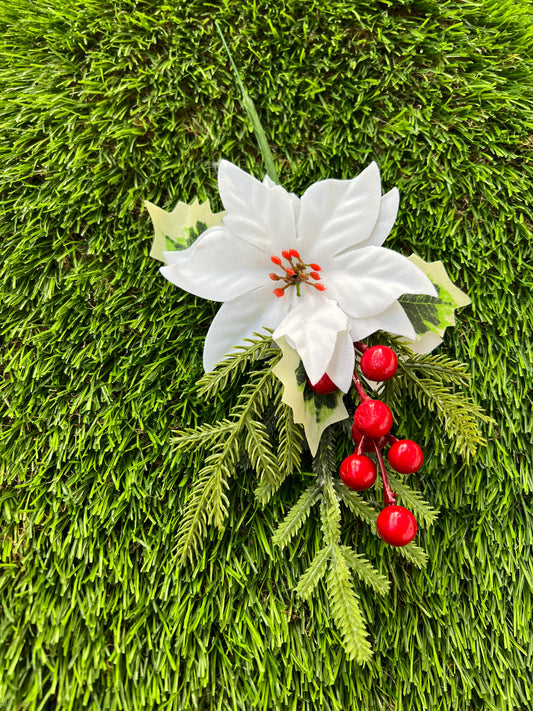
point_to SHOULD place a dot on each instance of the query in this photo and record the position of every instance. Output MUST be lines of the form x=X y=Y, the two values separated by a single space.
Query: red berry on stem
x=396 y=525
x=405 y=456
x=379 y=363
x=325 y=386
x=369 y=442
x=358 y=472
x=373 y=418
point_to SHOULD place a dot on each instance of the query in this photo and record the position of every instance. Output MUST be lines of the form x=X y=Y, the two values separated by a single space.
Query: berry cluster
x=371 y=433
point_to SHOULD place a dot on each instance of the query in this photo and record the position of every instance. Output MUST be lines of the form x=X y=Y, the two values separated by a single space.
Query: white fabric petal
x=393 y=320
x=261 y=214
x=337 y=214
x=390 y=203
x=240 y=318
x=341 y=366
x=365 y=282
x=267 y=180
x=311 y=328
x=218 y=266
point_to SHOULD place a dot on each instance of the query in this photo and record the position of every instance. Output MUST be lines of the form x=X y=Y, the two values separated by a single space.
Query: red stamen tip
x=290 y=272
x=274 y=277
x=276 y=260
x=278 y=292
x=294 y=253
x=286 y=254
x=320 y=287
x=315 y=267
x=315 y=275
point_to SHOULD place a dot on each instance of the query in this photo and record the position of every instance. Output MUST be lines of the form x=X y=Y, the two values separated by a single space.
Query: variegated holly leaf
x=431 y=315
x=178 y=229
x=314 y=412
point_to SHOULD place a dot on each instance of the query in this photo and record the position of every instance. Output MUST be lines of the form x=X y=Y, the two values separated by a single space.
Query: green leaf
x=314 y=412
x=429 y=313
x=178 y=229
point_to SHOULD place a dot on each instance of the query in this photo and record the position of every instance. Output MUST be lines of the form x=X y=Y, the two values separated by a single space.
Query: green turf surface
x=104 y=104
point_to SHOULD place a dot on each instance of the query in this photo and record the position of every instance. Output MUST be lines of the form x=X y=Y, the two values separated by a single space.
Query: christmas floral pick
x=304 y=282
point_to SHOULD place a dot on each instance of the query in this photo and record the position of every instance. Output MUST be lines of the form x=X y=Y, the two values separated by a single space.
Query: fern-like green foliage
x=260 y=427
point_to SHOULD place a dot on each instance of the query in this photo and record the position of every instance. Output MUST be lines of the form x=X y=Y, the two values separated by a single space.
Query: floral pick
x=302 y=281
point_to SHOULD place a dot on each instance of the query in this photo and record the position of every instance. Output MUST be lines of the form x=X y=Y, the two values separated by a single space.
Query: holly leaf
x=314 y=412
x=431 y=315
x=178 y=229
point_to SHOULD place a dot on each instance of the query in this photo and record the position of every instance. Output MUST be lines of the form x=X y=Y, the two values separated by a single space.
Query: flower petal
x=311 y=328
x=390 y=203
x=218 y=266
x=337 y=214
x=393 y=320
x=365 y=282
x=261 y=214
x=341 y=366
x=240 y=318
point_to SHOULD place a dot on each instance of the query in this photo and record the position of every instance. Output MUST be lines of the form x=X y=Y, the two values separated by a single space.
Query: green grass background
x=104 y=104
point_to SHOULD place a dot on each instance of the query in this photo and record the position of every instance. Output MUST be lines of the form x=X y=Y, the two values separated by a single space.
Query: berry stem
x=389 y=497
x=361 y=347
x=361 y=446
x=359 y=387
x=391 y=439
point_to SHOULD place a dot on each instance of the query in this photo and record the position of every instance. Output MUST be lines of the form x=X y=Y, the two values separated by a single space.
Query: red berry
x=325 y=386
x=369 y=442
x=379 y=363
x=405 y=456
x=396 y=525
x=358 y=472
x=373 y=418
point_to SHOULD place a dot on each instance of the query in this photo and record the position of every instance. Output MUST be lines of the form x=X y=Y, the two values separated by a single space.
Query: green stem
x=253 y=117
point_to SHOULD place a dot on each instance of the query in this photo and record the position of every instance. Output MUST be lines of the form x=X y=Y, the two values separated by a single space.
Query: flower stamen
x=296 y=273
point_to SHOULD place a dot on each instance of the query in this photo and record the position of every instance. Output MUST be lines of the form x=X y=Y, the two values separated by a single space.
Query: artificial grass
x=107 y=103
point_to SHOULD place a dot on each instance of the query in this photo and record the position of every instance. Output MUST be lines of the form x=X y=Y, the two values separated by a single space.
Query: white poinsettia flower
x=310 y=268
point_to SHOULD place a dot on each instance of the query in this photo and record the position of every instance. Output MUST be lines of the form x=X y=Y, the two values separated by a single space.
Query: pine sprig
x=346 y=610
x=356 y=503
x=413 y=554
x=291 y=440
x=203 y=436
x=428 y=379
x=259 y=449
x=458 y=415
x=365 y=571
x=413 y=500
x=330 y=512
x=290 y=449
x=314 y=573
x=436 y=366
x=207 y=502
x=297 y=516
x=236 y=363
